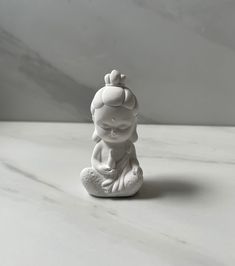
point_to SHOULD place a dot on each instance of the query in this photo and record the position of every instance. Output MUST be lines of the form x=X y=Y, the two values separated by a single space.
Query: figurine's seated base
x=96 y=184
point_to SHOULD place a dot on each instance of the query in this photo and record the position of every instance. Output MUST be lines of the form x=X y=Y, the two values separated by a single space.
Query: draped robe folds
x=123 y=167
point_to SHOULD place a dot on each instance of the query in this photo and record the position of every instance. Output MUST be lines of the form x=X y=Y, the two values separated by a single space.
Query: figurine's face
x=114 y=124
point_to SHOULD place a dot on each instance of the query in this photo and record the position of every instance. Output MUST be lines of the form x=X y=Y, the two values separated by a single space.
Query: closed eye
x=123 y=127
x=105 y=127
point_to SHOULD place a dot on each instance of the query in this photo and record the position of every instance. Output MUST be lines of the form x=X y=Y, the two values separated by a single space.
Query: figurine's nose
x=113 y=132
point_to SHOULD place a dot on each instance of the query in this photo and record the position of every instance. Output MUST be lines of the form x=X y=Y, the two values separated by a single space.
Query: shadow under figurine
x=115 y=170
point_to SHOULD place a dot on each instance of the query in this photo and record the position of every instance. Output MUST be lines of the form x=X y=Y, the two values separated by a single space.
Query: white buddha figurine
x=115 y=170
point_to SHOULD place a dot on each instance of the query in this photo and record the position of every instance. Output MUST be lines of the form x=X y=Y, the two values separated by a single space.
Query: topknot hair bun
x=115 y=94
x=115 y=78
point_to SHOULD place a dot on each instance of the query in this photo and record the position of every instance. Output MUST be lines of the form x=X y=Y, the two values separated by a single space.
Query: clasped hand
x=107 y=171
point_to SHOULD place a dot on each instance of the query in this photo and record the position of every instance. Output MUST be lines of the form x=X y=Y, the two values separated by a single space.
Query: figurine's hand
x=107 y=171
x=112 y=173
x=137 y=170
x=106 y=168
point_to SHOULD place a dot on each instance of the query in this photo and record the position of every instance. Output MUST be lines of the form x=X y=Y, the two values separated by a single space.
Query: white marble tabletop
x=183 y=216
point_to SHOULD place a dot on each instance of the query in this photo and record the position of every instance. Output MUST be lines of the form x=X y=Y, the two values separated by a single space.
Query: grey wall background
x=179 y=56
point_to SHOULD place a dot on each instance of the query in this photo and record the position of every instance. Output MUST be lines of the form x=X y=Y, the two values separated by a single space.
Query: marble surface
x=178 y=54
x=184 y=214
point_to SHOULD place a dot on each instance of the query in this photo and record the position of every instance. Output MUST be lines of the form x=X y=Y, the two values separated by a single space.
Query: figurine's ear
x=134 y=136
x=95 y=137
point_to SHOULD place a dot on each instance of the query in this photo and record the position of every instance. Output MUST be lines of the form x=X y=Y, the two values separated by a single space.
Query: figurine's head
x=114 y=111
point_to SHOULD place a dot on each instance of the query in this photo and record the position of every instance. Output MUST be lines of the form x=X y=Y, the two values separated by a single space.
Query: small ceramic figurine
x=115 y=170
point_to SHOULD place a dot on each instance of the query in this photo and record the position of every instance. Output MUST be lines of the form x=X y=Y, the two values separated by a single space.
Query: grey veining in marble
x=180 y=55
x=183 y=215
x=31 y=88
